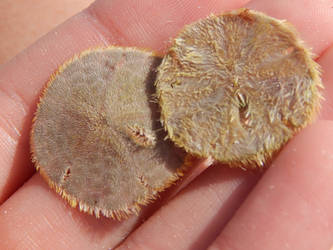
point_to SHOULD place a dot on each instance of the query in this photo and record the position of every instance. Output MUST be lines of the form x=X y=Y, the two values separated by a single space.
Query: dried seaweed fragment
x=237 y=87
x=96 y=136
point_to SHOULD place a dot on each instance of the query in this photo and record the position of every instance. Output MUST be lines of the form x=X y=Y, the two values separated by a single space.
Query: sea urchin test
x=233 y=87
x=236 y=87
x=96 y=136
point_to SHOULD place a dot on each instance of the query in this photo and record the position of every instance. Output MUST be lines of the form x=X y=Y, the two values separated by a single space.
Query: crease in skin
x=81 y=142
x=7 y=140
x=250 y=84
x=105 y=30
x=12 y=127
x=241 y=103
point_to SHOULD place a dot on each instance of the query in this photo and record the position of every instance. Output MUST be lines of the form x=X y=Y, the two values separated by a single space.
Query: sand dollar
x=96 y=135
x=237 y=87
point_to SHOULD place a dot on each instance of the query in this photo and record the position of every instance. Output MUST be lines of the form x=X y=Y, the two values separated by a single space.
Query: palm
x=290 y=206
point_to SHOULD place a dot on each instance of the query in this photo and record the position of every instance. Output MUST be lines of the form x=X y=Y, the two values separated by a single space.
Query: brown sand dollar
x=237 y=87
x=96 y=136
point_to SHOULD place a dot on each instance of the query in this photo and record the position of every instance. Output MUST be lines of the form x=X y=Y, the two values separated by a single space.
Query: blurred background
x=22 y=22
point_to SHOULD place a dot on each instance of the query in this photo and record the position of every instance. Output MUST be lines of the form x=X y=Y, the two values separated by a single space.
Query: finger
x=21 y=27
x=318 y=13
x=32 y=69
x=153 y=24
x=35 y=217
x=22 y=79
x=291 y=207
x=326 y=61
x=312 y=18
x=194 y=217
x=77 y=34
x=170 y=221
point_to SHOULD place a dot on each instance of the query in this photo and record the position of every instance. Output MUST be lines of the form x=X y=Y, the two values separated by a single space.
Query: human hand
x=21 y=27
x=289 y=207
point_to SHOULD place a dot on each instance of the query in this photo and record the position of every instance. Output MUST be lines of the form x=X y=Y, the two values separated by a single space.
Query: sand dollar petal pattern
x=237 y=87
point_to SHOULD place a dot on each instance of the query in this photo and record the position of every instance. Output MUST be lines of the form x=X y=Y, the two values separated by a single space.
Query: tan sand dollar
x=96 y=135
x=237 y=87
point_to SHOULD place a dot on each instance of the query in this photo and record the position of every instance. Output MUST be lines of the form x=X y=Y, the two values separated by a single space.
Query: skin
x=287 y=207
x=21 y=27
